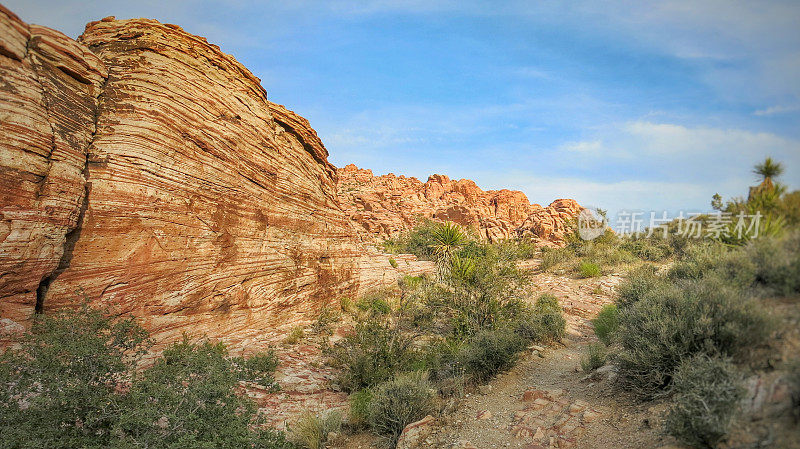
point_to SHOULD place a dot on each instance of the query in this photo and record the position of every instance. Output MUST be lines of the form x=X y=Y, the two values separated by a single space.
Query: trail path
x=545 y=401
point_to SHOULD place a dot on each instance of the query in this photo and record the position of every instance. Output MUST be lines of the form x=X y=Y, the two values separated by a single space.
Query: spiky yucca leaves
x=447 y=238
x=768 y=170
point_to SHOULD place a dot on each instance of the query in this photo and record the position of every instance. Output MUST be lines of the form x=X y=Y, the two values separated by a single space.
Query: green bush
x=713 y=259
x=550 y=318
x=707 y=393
x=375 y=303
x=594 y=358
x=73 y=383
x=67 y=369
x=589 y=269
x=651 y=249
x=392 y=262
x=638 y=283
x=491 y=351
x=311 y=430
x=399 y=402
x=777 y=263
x=325 y=319
x=666 y=326
x=359 y=408
x=419 y=241
x=606 y=323
x=372 y=354
x=552 y=258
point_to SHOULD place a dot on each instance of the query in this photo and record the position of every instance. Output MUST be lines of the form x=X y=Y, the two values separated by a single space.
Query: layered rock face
x=49 y=86
x=145 y=170
x=386 y=206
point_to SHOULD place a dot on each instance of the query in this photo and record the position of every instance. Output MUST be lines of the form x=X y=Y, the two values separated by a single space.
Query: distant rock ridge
x=388 y=205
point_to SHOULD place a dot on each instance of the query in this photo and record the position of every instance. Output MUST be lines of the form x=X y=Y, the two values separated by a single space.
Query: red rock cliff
x=386 y=206
x=145 y=170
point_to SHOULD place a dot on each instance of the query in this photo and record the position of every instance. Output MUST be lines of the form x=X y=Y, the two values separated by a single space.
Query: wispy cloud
x=773 y=110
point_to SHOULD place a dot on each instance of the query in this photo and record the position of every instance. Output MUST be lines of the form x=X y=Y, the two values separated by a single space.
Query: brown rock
x=145 y=170
x=386 y=206
x=414 y=433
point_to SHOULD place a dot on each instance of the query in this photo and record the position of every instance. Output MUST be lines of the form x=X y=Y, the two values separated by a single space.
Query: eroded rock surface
x=145 y=170
x=386 y=206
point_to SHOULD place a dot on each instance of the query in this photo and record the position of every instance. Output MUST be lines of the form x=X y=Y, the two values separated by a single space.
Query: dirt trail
x=545 y=401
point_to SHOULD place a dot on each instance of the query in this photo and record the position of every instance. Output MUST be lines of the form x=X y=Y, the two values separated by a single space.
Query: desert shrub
x=588 y=269
x=651 y=249
x=392 y=262
x=325 y=319
x=418 y=241
x=550 y=318
x=399 y=402
x=311 y=430
x=713 y=259
x=707 y=392
x=638 y=283
x=777 y=263
x=606 y=323
x=359 y=408
x=485 y=292
x=491 y=351
x=295 y=335
x=668 y=325
x=374 y=303
x=552 y=258
x=192 y=391
x=372 y=354
x=66 y=370
x=544 y=322
x=594 y=358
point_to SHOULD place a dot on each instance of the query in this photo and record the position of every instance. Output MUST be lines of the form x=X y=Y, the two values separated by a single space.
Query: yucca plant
x=767 y=170
x=447 y=238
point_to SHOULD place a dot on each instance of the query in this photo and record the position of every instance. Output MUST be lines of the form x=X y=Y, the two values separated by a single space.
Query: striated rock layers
x=385 y=206
x=144 y=170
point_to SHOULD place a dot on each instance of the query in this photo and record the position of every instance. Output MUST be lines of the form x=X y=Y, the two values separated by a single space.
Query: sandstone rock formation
x=386 y=206
x=145 y=170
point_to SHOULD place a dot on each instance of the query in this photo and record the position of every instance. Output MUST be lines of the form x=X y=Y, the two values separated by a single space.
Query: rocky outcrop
x=386 y=206
x=145 y=170
x=552 y=223
x=49 y=86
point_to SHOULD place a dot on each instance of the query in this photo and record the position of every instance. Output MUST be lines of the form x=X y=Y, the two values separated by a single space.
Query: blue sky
x=622 y=105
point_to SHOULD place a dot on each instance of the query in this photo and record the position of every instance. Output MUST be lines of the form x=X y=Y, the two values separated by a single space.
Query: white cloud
x=773 y=110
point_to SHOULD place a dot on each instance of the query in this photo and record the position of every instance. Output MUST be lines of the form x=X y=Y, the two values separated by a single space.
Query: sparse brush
x=491 y=351
x=606 y=323
x=594 y=358
x=295 y=335
x=665 y=326
x=589 y=269
x=359 y=408
x=392 y=262
x=374 y=353
x=325 y=320
x=311 y=430
x=707 y=392
x=399 y=402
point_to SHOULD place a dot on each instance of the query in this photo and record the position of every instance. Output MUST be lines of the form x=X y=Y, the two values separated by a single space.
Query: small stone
x=483 y=414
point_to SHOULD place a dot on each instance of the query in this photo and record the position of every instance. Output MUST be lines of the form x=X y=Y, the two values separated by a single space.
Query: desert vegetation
x=411 y=350
x=692 y=330
x=75 y=381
